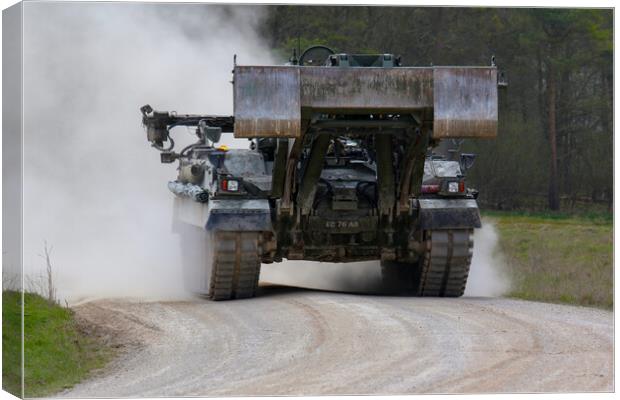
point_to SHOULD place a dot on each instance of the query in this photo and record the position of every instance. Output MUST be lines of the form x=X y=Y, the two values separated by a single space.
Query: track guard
x=448 y=214
x=238 y=216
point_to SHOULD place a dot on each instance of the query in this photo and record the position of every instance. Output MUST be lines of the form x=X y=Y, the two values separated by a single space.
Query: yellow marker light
x=223 y=148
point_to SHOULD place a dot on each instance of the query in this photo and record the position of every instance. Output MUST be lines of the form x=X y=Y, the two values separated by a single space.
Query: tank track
x=236 y=265
x=446 y=261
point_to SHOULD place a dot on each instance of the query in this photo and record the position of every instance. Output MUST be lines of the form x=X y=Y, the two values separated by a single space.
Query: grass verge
x=558 y=258
x=57 y=353
x=11 y=343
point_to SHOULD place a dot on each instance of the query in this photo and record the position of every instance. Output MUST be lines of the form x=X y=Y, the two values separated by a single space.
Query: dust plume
x=487 y=274
x=356 y=277
x=93 y=188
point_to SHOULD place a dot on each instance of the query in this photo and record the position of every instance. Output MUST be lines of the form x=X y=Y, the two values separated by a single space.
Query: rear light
x=233 y=186
x=456 y=187
x=430 y=188
x=229 y=185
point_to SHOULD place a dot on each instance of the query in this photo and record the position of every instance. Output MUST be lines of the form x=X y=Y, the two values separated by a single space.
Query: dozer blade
x=270 y=101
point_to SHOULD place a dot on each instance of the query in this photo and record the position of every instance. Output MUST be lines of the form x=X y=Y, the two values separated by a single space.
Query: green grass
x=57 y=354
x=11 y=342
x=596 y=217
x=558 y=258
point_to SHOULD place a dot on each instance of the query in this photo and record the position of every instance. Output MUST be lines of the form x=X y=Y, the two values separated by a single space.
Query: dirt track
x=296 y=341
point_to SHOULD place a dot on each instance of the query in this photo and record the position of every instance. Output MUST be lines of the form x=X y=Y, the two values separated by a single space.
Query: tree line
x=554 y=150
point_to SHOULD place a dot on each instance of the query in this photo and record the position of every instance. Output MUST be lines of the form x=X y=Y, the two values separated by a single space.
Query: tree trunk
x=554 y=195
x=540 y=91
x=565 y=122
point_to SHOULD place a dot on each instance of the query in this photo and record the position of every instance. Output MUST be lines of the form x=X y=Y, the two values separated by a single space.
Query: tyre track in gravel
x=291 y=341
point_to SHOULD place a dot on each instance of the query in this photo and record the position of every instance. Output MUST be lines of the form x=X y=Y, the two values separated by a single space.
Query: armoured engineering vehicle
x=343 y=165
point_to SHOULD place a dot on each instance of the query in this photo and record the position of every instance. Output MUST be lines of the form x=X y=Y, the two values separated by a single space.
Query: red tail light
x=430 y=188
x=461 y=186
x=224 y=184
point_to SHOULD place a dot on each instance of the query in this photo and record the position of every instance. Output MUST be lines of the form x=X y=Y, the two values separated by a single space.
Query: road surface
x=291 y=341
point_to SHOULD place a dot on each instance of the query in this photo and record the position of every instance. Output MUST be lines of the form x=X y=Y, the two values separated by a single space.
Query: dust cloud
x=487 y=274
x=93 y=188
x=356 y=277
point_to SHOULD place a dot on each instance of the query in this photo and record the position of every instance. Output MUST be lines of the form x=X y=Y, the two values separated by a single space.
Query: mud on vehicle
x=349 y=160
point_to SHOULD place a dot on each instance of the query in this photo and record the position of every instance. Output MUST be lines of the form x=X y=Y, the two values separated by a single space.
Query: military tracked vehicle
x=345 y=164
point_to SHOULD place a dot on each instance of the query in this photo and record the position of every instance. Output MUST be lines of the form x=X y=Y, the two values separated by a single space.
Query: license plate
x=344 y=224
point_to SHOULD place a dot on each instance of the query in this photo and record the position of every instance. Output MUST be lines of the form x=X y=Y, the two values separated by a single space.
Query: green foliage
x=558 y=258
x=56 y=354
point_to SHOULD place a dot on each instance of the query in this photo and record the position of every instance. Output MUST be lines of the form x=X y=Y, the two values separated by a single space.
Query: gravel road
x=292 y=341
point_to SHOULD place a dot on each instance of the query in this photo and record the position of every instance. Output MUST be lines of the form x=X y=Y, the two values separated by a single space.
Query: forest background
x=554 y=151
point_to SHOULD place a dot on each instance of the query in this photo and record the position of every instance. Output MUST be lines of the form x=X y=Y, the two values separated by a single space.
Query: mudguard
x=448 y=214
x=223 y=215
x=239 y=215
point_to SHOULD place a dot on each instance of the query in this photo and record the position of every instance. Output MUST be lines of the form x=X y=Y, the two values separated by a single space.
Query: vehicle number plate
x=342 y=224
